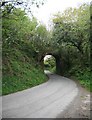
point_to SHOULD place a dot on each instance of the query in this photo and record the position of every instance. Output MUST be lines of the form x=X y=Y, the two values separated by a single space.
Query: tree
x=70 y=32
x=91 y=36
x=22 y=4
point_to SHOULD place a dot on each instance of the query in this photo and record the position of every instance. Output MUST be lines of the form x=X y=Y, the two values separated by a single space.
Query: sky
x=47 y=56
x=50 y=7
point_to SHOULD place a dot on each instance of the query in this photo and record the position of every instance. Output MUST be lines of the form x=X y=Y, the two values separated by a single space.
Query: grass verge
x=84 y=77
x=20 y=73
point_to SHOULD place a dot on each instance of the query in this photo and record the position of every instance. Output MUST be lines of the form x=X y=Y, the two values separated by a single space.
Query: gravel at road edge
x=80 y=106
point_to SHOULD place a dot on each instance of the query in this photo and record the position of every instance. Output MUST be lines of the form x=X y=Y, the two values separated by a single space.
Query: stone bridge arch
x=59 y=65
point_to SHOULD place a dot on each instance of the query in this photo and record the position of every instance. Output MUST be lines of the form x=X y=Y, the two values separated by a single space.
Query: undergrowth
x=20 y=72
x=84 y=76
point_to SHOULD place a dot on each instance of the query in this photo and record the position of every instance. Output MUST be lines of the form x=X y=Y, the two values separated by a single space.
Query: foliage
x=23 y=75
x=91 y=37
x=20 y=68
x=71 y=34
x=50 y=64
x=70 y=29
x=84 y=76
x=26 y=42
x=23 y=4
x=40 y=41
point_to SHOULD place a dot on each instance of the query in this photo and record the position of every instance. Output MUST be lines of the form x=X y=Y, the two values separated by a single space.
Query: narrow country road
x=43 y=101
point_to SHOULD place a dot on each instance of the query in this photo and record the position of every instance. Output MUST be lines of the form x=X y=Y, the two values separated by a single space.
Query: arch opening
x=50 y=63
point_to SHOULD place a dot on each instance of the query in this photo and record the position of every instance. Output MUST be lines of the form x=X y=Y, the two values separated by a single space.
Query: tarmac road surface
x=43 y=101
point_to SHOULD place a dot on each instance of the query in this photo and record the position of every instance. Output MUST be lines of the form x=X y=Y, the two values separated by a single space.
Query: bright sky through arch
x=51 y=7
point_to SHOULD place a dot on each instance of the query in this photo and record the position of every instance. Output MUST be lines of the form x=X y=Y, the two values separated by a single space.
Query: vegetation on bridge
x=26 y=42
x=71 y=33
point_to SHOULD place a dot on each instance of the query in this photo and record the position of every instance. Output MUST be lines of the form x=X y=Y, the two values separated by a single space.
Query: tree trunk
x=91 y=37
